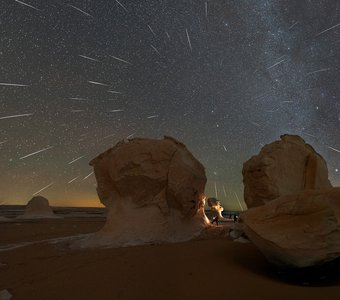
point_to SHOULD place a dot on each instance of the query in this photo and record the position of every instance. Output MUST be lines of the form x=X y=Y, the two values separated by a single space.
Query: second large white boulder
x=297 y=230
x=284 y=167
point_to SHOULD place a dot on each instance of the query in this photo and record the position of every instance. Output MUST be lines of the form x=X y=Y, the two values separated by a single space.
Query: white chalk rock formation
x=284 y=167
x=5 y=295
x=215 y=206
x=297 y=230
x=38 y=208
x=154 y=193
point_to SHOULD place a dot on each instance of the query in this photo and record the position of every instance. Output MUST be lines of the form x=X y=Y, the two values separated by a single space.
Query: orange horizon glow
x=59 y=201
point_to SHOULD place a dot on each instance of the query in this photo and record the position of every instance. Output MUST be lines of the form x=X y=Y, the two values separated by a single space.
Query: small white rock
x=5 y=295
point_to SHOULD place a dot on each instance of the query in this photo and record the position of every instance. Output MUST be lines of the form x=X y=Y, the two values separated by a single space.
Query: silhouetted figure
x=235 y=218
x=215 y=220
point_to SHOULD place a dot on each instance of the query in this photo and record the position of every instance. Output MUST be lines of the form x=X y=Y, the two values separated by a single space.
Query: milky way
x=223 y=77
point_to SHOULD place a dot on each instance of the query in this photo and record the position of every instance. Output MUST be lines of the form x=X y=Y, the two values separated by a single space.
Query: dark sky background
x=223 y=77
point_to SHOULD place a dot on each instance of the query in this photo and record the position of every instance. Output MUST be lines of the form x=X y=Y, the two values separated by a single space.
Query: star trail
x=223 y=77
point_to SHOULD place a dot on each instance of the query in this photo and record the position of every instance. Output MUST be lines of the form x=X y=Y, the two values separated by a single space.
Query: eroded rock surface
x=153 y=190
x=284 y=167
x=297 y=230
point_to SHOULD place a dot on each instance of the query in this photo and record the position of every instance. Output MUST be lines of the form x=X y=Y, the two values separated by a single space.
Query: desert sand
x=205 y=269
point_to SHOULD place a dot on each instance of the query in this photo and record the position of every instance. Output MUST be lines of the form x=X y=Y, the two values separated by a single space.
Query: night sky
x=223 y=77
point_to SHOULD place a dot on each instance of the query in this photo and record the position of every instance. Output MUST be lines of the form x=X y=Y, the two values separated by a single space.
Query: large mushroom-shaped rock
x=38 y=208
x=284 y=167
x=297 y=230
x=153 y=190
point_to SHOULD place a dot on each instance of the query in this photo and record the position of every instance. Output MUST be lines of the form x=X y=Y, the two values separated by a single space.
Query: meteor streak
x=87 y=176
x=105 y=137
x=44 y=188
x=330 y=28
x=238 y=200
x=78 y=98
x=23 y=3
x=188 y=37
x=121 y=5
x=151 y=30
x=36 y=152
x=114 y=92
x=225 y=194
x=336 y=150
x=75 y=178
x=89 y=58
x=78 y=9
x=122 y=60
x=318 y=71
x=312 y=135
x=293 y=25
x=254 y=123
x=281 y=61
x=15 y=116
x=71 y=162
x=12 y=84
x=98 y=83
x=154 y=48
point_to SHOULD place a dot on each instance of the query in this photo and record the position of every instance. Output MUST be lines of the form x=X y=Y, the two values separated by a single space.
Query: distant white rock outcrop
x=5 y=295
x=38 y=208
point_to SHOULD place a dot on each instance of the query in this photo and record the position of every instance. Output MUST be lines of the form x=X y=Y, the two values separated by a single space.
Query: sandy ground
x=209 y=269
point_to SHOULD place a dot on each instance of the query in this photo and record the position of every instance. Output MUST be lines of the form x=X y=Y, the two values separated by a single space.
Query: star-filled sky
x=224 y=77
